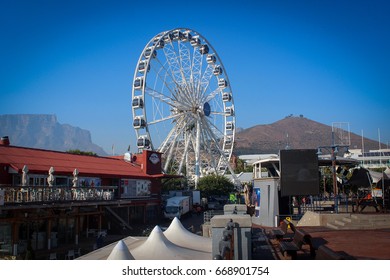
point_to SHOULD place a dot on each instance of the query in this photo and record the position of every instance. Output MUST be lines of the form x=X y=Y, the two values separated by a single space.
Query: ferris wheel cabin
x=228 y=141
x=139 y=122
x=226 y=97
x=178 y=35
x=229 y=126
x=186 y=36
x=217 y=70
x=138 y=83
x=222 y=83
x=168 y=38
x=143 y=142
x=138 y=102
x=204 y=49
x=195 y=41
x=211 y=58
x=229 y=111
x=143 y=66
x=149 y=53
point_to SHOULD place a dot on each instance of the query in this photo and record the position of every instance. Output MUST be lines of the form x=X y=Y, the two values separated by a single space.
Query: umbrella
x=25 y=176
x=51 y=179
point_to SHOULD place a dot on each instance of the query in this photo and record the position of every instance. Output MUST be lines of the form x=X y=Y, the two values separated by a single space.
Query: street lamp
x=334 y=149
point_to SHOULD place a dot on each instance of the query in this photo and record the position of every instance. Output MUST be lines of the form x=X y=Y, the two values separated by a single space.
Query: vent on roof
x=129 y=157
x=4 y=141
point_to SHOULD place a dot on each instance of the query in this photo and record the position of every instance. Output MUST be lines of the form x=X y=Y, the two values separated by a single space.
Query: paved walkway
x=359 y=244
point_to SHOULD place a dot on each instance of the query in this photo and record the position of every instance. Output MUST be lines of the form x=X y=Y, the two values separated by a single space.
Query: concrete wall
x=269 y=201
x=320 y=219
x=242 y=234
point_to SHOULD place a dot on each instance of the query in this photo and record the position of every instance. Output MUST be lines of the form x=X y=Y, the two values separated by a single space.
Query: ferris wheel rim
x=152 y=47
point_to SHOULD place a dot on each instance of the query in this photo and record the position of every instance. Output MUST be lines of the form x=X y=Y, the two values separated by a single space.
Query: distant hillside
x=44 y=132
x=302 y=134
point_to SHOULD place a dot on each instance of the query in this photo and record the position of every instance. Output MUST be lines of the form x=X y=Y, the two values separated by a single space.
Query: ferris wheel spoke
x=170 y=151
x=174 y=64
x=217 y=113
x=216 y=141
x=162 y=97
x=205 y=81
x=196 y=69
x=223 y=157
x=208 y=147
x=162 y=74
x=173 y=87
x=209 y=131
x=185 y=60
x=164 y=119
x=185 y=152
x=176 y=129
x=177 y=151
x=211 y=95
x=214 y=129
x=179 y=92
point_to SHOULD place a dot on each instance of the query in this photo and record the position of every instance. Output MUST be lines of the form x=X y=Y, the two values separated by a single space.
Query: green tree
x=215 y=185
x=242 y=166
x=174 y=184
x=78 y=152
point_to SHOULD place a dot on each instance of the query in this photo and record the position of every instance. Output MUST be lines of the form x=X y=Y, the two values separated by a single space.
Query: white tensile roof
x=176 y=243
x=158 y=247
x=120 y=252
x=180 y=236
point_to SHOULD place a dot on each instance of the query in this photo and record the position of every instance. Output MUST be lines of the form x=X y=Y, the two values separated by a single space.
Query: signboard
x=299 y=173
x=135 y=188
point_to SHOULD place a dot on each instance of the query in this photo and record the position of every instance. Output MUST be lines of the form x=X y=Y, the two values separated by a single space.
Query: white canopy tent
x=180 y=236
x=158 y=247
x=120 y=252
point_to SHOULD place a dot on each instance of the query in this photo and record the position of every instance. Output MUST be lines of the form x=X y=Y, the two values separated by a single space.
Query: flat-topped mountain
x=45 y=132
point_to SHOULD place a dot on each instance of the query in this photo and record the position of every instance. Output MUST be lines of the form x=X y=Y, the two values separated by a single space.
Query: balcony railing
x=31 y=194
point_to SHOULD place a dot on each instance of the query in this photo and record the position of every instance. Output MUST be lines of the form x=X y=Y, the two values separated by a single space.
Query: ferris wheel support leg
x=197 y=154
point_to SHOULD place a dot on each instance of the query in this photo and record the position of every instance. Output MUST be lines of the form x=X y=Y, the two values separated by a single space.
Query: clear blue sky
x=327 y=60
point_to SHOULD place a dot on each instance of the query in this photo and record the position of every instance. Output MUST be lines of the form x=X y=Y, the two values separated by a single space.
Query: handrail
x=30 y=194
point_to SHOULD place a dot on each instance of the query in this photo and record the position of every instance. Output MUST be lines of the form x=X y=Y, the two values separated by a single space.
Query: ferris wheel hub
x=206 y=109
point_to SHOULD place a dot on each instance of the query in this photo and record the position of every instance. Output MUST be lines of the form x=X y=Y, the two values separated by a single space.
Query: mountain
x=44 y=132
x=295 y=132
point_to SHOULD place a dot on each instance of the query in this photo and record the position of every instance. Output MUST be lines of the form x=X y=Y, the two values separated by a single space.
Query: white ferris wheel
x=182 y=104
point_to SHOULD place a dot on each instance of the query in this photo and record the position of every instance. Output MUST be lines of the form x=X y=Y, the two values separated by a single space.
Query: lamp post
x=334 y=150
x=335 y=189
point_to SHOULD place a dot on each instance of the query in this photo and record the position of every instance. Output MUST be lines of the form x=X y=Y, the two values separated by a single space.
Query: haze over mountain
x=294 y=132
x=45 y=132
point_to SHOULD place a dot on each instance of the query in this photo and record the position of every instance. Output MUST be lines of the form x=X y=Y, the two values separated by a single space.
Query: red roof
x=40 y=161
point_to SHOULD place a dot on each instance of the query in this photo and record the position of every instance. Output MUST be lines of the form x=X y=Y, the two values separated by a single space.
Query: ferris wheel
x=182 y=104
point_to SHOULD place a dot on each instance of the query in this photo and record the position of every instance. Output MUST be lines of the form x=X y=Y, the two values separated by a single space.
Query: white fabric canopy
x=158 y=247
x=180 y=236
x=120 y=252
x=376 y=176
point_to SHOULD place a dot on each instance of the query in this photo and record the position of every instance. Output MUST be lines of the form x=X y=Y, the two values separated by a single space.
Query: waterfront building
x=51 y=199
x=372 y=159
